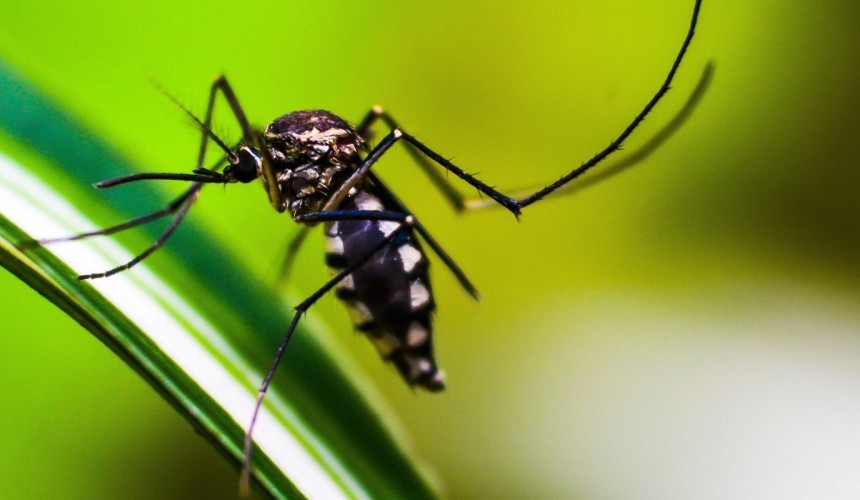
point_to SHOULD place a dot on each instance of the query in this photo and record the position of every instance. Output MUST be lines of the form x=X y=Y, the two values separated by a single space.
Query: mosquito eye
x=247 y=166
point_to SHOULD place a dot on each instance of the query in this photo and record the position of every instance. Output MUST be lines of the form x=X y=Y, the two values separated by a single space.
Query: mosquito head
x=312 y=153
x=246 y=164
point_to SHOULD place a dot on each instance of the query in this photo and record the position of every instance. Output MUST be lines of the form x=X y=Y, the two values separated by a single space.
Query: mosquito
x=316 y=166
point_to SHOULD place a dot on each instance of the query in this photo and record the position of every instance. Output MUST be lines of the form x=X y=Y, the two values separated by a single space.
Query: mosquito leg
x=183 y=208
x=338 y=215
x=169 y=209
x=448 y=261
x=654 y=142
x=245 y=481
x=292 y=251
x=203 y=175
x=207 y=122
x=384 y=145
x=632 y=159
x=451 y=195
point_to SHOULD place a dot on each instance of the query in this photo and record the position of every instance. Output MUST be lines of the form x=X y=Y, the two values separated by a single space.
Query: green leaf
x=201 y=338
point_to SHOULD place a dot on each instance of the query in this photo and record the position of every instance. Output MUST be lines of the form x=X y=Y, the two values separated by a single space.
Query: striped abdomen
x=389 y=297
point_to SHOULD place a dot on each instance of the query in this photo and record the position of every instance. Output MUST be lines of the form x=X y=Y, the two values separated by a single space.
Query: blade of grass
x=196 y=348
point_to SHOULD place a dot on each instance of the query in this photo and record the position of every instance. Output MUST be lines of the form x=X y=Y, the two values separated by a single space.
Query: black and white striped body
x=389 y=296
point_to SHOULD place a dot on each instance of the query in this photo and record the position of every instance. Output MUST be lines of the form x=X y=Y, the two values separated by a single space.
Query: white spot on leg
x=419 y=295
x=332 y=229
x=410 y=256
x=417 y=335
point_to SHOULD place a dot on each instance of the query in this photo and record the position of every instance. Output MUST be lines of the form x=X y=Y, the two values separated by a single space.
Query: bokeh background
x=689 y=329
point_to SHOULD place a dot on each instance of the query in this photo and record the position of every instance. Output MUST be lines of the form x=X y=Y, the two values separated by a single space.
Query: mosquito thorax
x=312 y=153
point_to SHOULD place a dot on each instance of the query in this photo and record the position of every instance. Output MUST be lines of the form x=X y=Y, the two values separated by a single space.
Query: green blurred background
x=689 y=329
